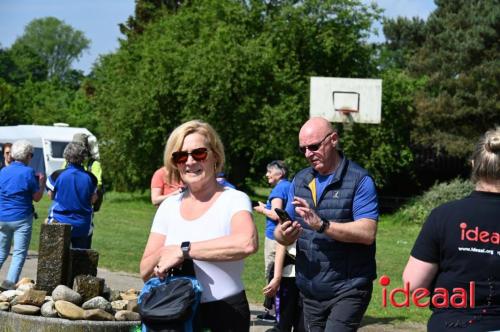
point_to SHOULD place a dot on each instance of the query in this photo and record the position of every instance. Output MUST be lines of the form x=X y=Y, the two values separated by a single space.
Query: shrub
x=419 y=208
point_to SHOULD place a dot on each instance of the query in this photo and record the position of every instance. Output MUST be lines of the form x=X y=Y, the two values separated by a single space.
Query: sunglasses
x=313 y=147
x=199 y=154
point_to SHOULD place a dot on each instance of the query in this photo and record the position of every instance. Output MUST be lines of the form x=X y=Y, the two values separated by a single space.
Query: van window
x=58 y=149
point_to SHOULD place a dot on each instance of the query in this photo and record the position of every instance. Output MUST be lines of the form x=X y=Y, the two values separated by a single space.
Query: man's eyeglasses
x=313 y=147
x=181 y=157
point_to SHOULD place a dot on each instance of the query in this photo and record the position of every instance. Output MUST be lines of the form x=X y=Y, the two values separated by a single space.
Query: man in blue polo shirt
x=73 y=191
x=334 y=207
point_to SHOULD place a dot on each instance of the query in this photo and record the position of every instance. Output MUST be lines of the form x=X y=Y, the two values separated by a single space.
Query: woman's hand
x=260 y=208
x=170 y=256
x=272 y=288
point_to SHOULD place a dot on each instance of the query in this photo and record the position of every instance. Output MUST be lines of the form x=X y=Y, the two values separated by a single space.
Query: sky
x=99 y=19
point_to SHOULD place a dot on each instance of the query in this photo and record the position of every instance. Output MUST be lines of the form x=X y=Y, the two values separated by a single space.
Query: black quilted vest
x=326 y=268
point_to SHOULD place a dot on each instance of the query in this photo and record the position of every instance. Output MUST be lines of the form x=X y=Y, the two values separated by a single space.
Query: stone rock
x=3 y=298
x=25 y=287
x=127 y=315
x=53 y=256
x=131 y=294
x=84 y=262
x=4 y=306
x=65 y=293
x=132 y=305
x=119 y=305
x=48 y=298
x=88 y=286
x=23 y=281
x=48 y=309
x=33 y=297
x=97 y=314
x=11 y=294
x=69 y=310
x=115 y=295
x=106 y=293
x=97 y=302
x=25 y=309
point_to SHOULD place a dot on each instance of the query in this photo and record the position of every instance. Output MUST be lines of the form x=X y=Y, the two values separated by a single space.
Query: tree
x=460 y=58
x=243 y=66
x=404 y=37
x=54 y=42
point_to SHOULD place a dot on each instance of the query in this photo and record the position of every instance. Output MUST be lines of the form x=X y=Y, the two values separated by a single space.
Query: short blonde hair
x=176 y=139
x=486 y=157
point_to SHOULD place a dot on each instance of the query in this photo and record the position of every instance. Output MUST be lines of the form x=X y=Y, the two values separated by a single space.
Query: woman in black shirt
x=459 y=248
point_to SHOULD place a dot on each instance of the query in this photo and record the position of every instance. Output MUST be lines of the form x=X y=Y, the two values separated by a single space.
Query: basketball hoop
x=346 y=100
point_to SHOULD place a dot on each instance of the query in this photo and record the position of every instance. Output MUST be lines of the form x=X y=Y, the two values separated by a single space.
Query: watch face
x=185 y=245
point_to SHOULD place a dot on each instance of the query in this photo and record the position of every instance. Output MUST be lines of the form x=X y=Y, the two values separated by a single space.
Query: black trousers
x=461 y=320
x=231 y=314
x=341 y=313
x=289 y=307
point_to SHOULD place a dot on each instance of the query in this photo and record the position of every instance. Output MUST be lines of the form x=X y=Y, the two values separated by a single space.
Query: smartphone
x=282 y=214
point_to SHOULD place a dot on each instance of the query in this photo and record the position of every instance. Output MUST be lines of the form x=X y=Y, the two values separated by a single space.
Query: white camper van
x=48 y=142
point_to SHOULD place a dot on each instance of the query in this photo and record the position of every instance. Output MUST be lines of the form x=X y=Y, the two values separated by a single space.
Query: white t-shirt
x=219 y=279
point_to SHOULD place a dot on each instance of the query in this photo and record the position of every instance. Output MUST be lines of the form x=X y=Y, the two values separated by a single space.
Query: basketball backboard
x=339 y=99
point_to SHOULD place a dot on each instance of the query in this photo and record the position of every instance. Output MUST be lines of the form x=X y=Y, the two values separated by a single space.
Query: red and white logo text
x=441 y=298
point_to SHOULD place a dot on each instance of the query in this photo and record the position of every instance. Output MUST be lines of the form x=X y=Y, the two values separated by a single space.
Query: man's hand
x=309 y=215
x=287 y=233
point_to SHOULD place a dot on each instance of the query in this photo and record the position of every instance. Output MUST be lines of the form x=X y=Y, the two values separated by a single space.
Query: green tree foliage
x=404 y=37
x=146 y=11
x=385 y=149
x=37 y=84
x=243 y=66
x=54 y=42
x=460 y=57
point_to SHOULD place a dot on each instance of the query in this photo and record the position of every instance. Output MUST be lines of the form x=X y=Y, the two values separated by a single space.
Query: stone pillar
x=84 y=262
x=88 y=286
x=53 y=257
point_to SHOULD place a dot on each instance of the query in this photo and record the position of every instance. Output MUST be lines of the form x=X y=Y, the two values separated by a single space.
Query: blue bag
x=169 y=304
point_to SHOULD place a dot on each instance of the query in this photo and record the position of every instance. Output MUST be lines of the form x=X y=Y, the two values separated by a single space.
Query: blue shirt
x=279 y=191
x=73 y=188
x=18 y=183
x=365 y=203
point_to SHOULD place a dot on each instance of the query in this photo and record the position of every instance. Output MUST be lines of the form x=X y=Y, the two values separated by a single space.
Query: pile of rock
x=67 y=303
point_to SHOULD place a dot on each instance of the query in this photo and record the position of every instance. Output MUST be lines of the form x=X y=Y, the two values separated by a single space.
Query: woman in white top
x=206 y=223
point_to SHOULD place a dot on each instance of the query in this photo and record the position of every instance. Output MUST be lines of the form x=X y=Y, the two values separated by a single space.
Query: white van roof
x=35 y=133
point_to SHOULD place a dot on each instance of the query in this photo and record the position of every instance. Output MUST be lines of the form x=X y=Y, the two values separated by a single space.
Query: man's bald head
x=318 y=140
x=318 y=125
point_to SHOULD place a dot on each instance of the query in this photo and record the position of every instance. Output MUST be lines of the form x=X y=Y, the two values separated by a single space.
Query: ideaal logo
x=477 y=235
x=440 y=299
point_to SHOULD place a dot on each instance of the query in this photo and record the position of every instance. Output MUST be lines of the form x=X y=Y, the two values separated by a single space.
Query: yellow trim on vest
x=312 y=186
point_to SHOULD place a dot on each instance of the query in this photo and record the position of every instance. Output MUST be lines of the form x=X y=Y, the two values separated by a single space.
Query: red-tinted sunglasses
x=199 y=154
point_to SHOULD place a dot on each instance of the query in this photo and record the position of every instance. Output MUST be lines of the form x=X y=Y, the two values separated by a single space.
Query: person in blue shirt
x=221 y=179
x=19 y=187
x=73 y=191
x=334 y=209
x=276 y=174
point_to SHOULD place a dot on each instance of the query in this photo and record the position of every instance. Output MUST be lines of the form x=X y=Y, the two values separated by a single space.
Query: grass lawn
x=122 y=227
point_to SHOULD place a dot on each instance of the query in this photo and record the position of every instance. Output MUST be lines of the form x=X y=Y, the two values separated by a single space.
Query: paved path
x=125 y=281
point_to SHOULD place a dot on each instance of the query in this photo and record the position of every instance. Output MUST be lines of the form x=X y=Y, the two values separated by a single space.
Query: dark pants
x=82 y=242
x=342 y=313
x=231 y=314
x=289 y=307
x=458 y=320
x=269 y=300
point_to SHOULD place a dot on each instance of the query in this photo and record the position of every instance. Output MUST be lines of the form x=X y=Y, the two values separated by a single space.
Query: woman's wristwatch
x=185 y=246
